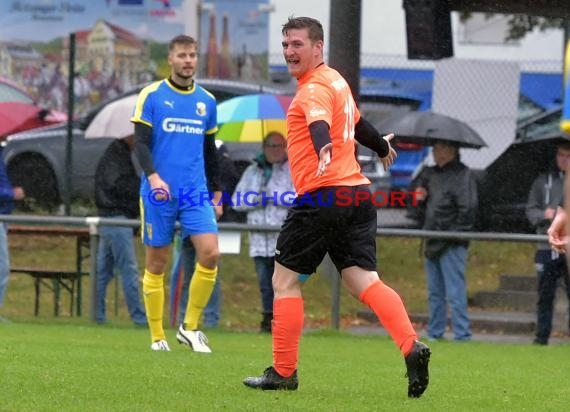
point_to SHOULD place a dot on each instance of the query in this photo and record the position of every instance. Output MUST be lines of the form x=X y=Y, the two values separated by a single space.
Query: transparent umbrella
x=113 y=119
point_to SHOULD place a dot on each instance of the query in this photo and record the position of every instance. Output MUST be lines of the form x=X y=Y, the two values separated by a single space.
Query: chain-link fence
x=514 y=105
x=500 y=99
x=493 y=96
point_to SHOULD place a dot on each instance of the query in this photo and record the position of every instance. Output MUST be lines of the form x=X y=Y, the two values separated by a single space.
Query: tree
x=521 y=24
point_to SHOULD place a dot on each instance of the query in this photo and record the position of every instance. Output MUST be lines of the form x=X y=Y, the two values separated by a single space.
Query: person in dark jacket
x=117 y=196
x=448 y=202
x=8 y=194
x=544 y=197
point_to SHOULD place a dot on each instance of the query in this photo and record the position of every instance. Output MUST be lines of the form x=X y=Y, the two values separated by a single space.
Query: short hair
x=448 y=143
x=183 y=40
x=271 y=134
x=564 y=145
x=315 y=28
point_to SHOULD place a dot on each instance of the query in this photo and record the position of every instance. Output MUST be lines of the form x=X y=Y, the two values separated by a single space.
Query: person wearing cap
x=447 y=202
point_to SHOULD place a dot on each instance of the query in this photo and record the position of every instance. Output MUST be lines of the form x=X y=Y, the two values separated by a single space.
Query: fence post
x=93 y=223
x=69 y=126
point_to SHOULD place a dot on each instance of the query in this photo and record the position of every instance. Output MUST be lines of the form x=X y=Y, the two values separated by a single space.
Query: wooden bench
x=56 y=280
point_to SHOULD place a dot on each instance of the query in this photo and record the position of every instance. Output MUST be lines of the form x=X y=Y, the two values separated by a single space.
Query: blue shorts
x=159 y=221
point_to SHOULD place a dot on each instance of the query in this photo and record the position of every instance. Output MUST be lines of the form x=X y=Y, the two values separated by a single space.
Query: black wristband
x=320 y=135
x=367 y=135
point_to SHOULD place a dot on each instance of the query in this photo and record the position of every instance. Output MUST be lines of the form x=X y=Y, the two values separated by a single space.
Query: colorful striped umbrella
x=250 y=117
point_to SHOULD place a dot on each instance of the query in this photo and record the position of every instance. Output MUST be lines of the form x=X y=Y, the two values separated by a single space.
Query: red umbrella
x=16 y=117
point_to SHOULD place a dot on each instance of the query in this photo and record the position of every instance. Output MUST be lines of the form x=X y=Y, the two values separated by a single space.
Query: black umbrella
x=552 y=138
x=428 y=127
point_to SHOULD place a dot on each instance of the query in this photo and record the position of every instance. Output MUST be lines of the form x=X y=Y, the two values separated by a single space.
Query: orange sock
x=389 y=308
x=286 y=328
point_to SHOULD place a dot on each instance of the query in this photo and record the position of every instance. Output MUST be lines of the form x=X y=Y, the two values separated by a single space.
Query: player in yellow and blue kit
x=175 y=124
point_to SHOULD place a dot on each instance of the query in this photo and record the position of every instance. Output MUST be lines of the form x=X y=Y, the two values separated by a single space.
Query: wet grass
x=62 y=366
x=399 y=263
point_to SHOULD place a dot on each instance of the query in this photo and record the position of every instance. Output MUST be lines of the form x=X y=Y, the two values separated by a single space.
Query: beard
x=182 y=74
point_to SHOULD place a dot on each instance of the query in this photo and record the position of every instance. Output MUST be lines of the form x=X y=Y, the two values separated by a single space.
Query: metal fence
x=480 y=92
x=327 y=267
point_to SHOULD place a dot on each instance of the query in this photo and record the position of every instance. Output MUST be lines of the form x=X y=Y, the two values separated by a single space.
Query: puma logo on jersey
x=169 y=103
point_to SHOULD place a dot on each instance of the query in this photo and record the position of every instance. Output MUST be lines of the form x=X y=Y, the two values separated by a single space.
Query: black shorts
x=333 y=224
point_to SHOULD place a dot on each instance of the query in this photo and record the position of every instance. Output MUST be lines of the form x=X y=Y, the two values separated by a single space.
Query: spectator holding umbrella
x=447 y=202
x=117 y=197
x=117 y=184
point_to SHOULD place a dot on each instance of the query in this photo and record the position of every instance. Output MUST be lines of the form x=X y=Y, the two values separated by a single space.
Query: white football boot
x=160 y=345
x=195 y=339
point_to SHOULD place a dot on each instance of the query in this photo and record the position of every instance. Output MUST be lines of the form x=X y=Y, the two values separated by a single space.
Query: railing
x=93 y=224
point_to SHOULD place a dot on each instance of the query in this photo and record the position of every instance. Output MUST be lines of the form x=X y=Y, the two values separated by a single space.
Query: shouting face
x=300 y=53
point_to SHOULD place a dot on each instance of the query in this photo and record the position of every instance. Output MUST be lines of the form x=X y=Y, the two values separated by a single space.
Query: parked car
x=19 y=111
x=505 y=184
x=35 y=159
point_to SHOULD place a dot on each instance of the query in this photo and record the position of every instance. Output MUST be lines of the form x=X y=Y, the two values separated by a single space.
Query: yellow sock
x=201 y=287
x=153 y=293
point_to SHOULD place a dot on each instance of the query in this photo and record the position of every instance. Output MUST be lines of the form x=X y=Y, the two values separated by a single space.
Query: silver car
x=35 y=159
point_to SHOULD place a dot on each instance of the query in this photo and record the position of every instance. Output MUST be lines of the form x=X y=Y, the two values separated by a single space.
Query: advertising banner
x=234 y=39
x=119 y=44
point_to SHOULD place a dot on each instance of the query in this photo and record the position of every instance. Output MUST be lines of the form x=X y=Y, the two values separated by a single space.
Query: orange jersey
x=323 y=94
